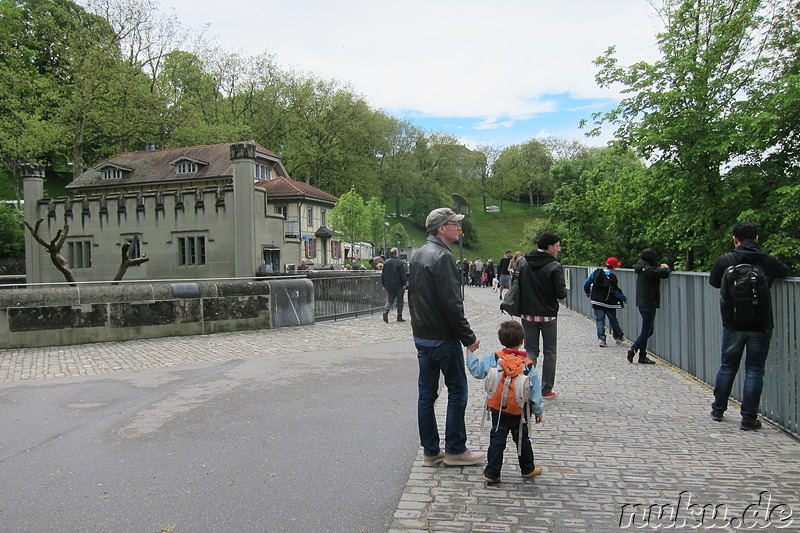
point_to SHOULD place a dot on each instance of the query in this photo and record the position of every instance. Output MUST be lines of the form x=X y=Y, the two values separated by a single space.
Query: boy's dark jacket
x=751 y=253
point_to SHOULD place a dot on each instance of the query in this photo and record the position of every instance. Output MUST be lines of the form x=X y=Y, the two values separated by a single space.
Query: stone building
x=216 y=211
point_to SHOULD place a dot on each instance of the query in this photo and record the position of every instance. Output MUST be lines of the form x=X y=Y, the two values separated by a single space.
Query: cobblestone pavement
x=623 y=446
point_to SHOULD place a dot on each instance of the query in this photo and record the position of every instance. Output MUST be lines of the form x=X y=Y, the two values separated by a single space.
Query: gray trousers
x=549 y=334
x=391 y=296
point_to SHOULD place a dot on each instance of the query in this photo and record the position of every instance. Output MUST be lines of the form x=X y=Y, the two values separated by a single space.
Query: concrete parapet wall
x=55 y=316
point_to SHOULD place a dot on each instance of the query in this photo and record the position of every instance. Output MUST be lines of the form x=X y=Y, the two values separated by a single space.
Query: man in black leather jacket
x=541 y=284
x=440 y=329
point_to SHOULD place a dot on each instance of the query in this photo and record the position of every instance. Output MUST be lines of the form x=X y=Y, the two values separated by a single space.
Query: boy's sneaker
x=716 y=415
x=749 y=424
x=533 y=473
x=432 y=460
x=466 y=458
x=491 y=480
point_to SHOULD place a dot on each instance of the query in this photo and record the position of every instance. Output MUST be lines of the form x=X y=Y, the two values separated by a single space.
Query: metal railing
x=688 y=334
x=351 y=295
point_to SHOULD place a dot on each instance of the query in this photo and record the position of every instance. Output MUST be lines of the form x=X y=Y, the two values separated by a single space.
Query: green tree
x=12 y=232
x=348 y=216
x=524 y=171
x=375 y=219
x=705 y=109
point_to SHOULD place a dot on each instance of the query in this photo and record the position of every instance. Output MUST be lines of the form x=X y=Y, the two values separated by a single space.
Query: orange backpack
x=507 y=386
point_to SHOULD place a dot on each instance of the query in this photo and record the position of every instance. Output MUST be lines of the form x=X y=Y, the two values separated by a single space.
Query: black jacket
x=541 y=284
x=747 y=252
x=393 y=275
x=434 y=295
x=648 y=284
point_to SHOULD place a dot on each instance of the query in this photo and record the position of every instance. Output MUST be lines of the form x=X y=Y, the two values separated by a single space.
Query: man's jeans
x=648 y=315
x=600 y=317
x=391 y=296
x=447 y=358
x=549 y=333
x=733 y=345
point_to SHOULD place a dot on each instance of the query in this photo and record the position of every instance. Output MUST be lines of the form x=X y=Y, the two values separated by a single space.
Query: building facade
x=216 y=211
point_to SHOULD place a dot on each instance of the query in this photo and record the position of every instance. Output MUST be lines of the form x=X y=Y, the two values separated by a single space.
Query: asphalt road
x=303 y=442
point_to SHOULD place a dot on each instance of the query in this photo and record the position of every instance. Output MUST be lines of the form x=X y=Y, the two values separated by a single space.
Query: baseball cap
x=613 y=262
x=440 y=217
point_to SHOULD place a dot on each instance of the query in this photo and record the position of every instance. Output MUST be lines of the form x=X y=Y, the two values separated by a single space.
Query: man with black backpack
x=744 y=278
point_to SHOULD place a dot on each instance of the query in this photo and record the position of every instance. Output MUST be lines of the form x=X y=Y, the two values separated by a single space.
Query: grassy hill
x=497 y=232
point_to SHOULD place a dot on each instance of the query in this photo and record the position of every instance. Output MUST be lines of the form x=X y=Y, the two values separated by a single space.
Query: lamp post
x=460 y=202
x=385 y=225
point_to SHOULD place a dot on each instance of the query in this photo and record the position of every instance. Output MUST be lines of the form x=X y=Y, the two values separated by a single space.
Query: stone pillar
x=243 y=156
x=33 y=191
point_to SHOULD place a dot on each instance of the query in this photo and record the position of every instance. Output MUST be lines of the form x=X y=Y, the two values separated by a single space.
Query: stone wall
x=55 y=316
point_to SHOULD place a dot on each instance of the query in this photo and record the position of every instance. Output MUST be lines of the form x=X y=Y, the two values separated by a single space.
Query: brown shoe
x=432 y=460
x=466 y=458
x=386 y=316
x=491 y=480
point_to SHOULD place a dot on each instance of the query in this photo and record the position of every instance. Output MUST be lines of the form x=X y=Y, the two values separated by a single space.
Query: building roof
x=287 y=188
x=151 y=167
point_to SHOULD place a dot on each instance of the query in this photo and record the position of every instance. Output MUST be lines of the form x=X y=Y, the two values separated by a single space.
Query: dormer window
x=262 y=172
x=186 y=167
x=112 y=173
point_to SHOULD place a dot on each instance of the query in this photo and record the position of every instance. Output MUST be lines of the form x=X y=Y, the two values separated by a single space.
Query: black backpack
x=745 y=291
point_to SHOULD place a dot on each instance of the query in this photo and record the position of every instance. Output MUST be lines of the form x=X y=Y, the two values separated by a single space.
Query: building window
x=310 y=217
x=136 y=246
x=311 y=248
x=323 y=218
x=112 y=173
x=186 y=167
x=336 y=249
x=79 y=254
x=262 y=172
x=282 y=210
x=191 y=251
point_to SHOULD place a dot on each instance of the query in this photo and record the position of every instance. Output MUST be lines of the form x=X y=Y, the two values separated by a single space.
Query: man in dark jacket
x=756 y=337
x=541 y=285
x=440 y=329
x=649 y=274
x=394 y=279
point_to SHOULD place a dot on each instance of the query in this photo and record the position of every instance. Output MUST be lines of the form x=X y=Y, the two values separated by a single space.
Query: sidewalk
x=620 y=444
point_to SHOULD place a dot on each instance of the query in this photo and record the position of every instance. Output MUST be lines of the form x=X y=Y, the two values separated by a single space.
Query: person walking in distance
x=541 y=285
x=648 y=299
x=394 y=279
x=504 y=273
x=602 y=288
x=744 y=278
x=440 y=330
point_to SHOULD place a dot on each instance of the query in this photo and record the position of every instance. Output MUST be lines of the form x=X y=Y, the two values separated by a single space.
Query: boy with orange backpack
x=514 y=394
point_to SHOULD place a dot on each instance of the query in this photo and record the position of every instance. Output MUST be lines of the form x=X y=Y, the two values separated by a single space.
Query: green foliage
x=12 y=232
x=348 y=216
x=375 y=220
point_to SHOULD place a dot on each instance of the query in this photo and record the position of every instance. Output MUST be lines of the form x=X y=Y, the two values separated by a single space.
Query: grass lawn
x=497 y=232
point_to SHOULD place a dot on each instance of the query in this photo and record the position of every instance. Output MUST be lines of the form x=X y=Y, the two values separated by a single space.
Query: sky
x=497 y=73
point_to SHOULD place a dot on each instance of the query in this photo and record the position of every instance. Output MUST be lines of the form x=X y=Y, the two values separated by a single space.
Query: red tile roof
x=283 y=187
x=155 y=166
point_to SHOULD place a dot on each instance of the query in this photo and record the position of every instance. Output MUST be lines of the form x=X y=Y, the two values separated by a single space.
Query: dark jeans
x=600 y=315
x=447 y=359
x=648 y=315
x=549 y=334
x=733 y=345
x=497 y=444
x=391 y=295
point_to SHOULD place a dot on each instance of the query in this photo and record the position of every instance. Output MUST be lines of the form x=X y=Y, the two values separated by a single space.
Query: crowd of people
x=441 y=332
